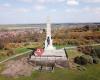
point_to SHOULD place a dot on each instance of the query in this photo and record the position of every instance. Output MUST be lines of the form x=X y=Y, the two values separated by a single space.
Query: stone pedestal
x=50 y=55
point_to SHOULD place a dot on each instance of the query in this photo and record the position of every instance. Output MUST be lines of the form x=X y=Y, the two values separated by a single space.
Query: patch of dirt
x=72 y=65
x=15 y=68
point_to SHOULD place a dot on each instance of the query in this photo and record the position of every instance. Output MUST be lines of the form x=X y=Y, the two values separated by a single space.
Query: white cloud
x=91 y=1
x=39 y=7
x=71 y=10
x=27 y=1
x=53 y=10
x=72 y=2
x=22 y=10
x=7 y=5
x=92 y=10
x=85 y=10
x=50 y=1
x=61 y=0
x=41 y=1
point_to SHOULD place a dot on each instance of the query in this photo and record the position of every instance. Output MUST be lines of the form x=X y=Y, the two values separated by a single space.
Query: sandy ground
x=18 y=68
x=21 y=67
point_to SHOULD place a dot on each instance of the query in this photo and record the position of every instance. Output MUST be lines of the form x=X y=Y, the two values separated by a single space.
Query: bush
x=96 y=60
x=97 y=52
x=88 y=58
x=1 y=45
x=10 y=52
x=77 y=60
x=80 y=60
x=83 y=60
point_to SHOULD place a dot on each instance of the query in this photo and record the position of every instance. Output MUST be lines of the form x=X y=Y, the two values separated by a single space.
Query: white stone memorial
x=48 y=41
x=50 y=54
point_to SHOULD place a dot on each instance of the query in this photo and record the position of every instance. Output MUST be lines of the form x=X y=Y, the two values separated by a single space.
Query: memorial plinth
x=50 y=54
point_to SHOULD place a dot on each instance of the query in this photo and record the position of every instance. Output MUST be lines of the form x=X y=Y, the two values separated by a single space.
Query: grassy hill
x=92 y=73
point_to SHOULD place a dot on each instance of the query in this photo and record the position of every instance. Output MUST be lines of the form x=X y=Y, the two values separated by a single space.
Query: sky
x=60 y=11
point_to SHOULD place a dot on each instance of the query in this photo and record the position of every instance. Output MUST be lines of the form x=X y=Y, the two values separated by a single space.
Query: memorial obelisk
x=48 y=41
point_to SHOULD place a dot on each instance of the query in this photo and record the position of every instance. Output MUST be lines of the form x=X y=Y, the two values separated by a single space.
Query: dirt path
x=73 y=47
x=17 y=55
x=15 y=68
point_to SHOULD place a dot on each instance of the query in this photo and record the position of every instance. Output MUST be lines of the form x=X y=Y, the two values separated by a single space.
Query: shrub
x=10 y=52
x=96 y=60
x=77 y=60
x=97 y=52
x=1 y=45
x=83 y=60
x=88 y=58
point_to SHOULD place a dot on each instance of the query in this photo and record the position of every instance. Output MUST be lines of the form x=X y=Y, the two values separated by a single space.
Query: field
x=91 y=73
x=65 y=74
x=17 y=51
x=65 y=38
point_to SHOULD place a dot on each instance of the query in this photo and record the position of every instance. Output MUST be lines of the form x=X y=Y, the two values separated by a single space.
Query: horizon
x=52 y=23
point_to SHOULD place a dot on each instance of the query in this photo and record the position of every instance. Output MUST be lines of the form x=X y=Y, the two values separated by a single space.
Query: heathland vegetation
x=82 y=61
x=13 y=41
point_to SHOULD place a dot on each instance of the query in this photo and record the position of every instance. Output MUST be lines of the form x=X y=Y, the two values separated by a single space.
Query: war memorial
x=49 y=55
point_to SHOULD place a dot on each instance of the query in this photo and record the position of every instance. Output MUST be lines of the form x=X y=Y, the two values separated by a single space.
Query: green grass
x=21 y=50
x=62 y=46
x=72 y=53
x=3 y=57
x=92 y=73
x=17 y=51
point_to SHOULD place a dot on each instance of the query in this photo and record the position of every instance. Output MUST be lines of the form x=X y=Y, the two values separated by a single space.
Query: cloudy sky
x=60 y=11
